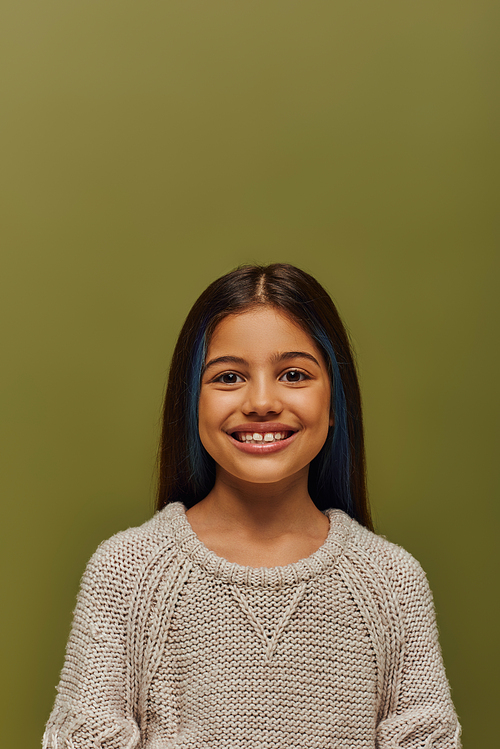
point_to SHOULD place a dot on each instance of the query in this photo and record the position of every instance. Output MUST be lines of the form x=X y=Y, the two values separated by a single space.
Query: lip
x=261 y=427
x=265 y=448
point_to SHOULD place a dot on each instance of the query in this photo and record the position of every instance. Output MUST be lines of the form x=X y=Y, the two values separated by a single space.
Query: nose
x=262 y=398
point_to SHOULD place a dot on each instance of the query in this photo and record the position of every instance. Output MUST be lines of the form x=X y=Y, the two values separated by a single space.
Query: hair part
x=337 y=476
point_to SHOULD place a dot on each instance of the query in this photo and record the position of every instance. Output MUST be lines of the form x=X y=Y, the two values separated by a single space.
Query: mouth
x=262 y=438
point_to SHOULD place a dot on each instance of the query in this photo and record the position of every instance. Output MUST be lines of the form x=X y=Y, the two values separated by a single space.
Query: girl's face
x=264 y=409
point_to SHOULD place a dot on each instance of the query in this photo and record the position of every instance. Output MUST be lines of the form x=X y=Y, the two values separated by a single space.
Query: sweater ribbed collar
x=189 y=545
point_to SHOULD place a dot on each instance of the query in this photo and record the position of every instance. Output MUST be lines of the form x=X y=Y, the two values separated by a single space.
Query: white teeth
x=261 y=436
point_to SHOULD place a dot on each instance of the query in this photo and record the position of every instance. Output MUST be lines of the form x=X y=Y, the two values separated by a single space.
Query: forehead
x=260 y=331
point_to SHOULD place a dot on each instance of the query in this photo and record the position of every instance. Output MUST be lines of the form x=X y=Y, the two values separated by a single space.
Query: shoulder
x=394 y=581
x=391 y=564
x=119 y=560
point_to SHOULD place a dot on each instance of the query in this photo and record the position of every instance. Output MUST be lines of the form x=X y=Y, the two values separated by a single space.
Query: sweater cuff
x=70 y=727
x=419 y=727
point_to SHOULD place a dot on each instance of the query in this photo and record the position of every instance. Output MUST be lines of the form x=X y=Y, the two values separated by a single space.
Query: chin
x=262 y=477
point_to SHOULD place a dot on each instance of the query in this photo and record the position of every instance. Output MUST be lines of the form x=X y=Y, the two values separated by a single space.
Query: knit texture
x=174 y=646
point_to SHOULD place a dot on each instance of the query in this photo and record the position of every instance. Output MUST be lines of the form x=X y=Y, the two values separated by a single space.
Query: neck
x=262 y=511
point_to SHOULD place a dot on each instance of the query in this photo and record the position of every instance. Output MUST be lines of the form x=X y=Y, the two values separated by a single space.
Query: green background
x=149 y=147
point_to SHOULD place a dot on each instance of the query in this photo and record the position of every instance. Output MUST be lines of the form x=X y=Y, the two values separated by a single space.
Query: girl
x=257 y=608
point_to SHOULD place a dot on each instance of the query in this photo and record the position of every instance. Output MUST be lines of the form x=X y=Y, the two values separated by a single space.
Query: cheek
x=205 y=414
x=213 y=408
x=316 y=413
x=327 y=411
x=206 y=425
x=323 y=403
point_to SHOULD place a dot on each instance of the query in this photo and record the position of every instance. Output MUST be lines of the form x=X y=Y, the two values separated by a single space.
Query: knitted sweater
x=174 y=646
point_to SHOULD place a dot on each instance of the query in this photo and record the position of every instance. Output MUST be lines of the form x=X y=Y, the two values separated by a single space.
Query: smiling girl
x=257 y=608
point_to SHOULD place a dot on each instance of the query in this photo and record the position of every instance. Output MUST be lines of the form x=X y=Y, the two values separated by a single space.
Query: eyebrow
x=285 y=356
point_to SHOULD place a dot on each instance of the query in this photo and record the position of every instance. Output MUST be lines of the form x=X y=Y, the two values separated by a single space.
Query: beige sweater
x=173 y=646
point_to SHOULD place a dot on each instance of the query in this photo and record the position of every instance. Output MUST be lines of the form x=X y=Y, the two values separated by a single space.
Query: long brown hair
x=337 y=474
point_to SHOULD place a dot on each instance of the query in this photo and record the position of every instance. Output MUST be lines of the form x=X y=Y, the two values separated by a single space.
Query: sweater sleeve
x=91 y=707
x=422 y=714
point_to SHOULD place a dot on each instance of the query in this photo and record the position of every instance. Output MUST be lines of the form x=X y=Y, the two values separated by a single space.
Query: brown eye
x=228 y=378
x=294 y=375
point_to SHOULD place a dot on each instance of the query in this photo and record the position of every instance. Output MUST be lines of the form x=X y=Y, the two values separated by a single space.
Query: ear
x=331 y=420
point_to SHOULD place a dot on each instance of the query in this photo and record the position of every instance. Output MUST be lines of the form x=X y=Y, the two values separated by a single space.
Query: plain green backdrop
x=147 y=148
